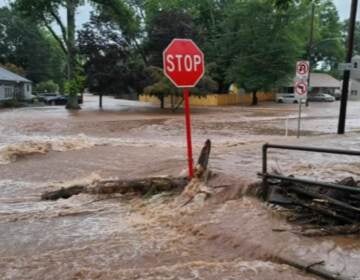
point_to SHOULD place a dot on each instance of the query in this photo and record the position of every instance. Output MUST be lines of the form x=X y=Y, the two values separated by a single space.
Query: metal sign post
x=184 y=65
x=188 y=132
x=299 y=119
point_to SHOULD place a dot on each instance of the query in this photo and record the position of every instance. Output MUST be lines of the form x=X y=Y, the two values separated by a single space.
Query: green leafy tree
x=345 y=30
x=112 y=66
x=328 y=45
x=46 y=12
x=47 y=86
x=163 y=28
x=26 y=45
x=259 y=46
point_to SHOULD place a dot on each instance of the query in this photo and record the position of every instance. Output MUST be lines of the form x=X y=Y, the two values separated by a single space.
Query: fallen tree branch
x=141 y=186
x=144 y=186
x=63 y=193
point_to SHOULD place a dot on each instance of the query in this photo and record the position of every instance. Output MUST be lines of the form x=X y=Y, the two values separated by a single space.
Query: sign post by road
x=184 y=65
x=301 y=86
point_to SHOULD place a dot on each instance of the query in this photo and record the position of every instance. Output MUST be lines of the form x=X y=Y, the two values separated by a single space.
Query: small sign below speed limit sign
x=301 y=89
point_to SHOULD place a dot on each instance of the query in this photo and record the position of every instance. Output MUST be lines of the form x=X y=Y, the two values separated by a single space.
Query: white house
x=14 y=86
x=354 y=85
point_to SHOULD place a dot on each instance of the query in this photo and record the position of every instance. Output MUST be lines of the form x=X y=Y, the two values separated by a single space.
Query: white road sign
x=347 y=67
x=301 y=89
x=302 y=69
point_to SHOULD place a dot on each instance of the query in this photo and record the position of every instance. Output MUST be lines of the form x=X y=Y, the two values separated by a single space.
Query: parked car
x=321 y=97
x=52 y=98
x=336 y=94
x=287 y=98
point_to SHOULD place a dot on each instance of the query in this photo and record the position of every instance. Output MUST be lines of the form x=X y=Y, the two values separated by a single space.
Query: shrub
x=48 y=86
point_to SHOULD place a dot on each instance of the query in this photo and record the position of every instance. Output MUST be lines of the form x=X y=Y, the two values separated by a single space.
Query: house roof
x=323 y=80
x=6 y=75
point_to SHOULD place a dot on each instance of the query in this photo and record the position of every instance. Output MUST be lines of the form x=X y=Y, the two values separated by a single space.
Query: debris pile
x=319 y=210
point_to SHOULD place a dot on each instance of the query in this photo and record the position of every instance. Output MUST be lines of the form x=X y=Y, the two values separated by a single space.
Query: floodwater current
x=229 y=236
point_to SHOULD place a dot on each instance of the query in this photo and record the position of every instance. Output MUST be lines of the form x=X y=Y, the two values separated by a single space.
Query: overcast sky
x=83 y=12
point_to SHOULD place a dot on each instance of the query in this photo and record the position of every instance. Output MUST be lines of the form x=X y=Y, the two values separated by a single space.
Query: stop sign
x=183 y=63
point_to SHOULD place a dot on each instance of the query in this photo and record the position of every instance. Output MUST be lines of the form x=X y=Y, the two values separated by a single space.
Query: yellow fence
x=214 y=99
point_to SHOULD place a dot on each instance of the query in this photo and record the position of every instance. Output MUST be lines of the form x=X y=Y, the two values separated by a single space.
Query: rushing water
x=115 y=237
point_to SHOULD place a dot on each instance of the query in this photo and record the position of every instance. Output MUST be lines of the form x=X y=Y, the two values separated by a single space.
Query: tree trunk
x=162 y=101
x=145 y=186
x=198 y=182
x=72 y=102
x=254 y=98
x=172 y=103
x=100 y=100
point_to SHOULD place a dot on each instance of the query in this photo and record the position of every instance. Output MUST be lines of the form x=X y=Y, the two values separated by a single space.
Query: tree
x=259 y=46
x=46 y=12
x=167 y=25
x=111 y=65
x=24 y=44
x=345 y=29
x=47 y=86
x=328 y=45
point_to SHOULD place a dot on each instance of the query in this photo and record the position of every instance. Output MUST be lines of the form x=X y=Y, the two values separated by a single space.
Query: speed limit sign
x=302 y=69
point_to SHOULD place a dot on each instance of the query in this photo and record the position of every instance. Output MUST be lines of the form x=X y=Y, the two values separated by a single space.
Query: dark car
x=52 y=98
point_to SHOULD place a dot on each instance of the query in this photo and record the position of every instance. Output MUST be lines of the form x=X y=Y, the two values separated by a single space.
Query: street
x=229 y=236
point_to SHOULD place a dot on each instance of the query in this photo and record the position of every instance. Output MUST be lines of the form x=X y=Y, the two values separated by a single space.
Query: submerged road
x=229 y=237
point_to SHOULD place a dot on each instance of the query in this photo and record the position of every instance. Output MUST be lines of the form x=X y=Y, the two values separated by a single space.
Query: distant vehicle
x=50 y=98
x=321 y=97
x=79 y=96
x=336 y=94
x=287 y=98
x=32 y=98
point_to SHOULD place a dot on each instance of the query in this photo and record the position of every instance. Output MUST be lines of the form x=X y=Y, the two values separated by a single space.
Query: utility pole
x=346 y=79
x=311 y=42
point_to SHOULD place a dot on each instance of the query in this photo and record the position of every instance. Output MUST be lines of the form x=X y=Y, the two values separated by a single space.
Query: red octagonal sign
x=183 y=63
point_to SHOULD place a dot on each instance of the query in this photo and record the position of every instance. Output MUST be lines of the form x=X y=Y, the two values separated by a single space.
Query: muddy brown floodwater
x=229 y=236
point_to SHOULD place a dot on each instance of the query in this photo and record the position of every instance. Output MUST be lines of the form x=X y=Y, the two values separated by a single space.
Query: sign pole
x=188 y=132
x=302 y=87
x=299 y=119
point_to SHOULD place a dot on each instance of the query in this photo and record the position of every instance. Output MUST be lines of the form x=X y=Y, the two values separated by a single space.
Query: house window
x=27 y=87
x=354 y=93
x=9 y=92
